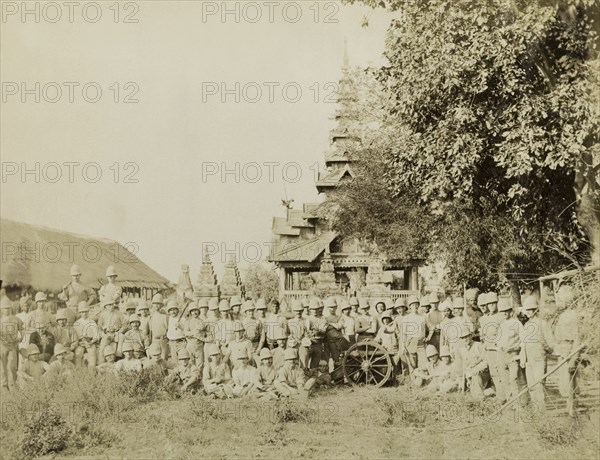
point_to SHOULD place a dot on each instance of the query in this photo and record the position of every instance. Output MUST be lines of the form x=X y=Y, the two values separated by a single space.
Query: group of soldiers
x=236 y=347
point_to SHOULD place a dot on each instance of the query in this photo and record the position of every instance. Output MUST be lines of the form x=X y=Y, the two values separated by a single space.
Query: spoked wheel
x=367 y=363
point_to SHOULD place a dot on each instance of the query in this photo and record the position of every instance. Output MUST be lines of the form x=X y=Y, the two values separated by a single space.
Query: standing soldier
x=39 y=315
x=412 y=334
x=111 y=321
x=568 y=340
x=194 y=333
x=433 y=319
x=236 y=306
x=224 y=326
x=66 y=334
x=354 y=304
x=111 y=290
x=471 y=312
x=143 y=312
x=11 y=329
x=510 y=336
x=346 y=323
x=316 y=326
x=489 y=324
x=134 y=335
x=158 y=325
x=298 y=338
x=366 y=325
x=75 y=291
x=274 y=322
x=89 y=336
x=538 y=341
x=252 y=327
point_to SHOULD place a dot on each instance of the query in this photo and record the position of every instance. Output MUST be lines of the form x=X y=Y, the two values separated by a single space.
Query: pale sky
x=177 y=56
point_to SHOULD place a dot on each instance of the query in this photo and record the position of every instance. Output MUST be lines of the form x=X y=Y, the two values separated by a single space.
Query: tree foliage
x=489 y=122
x=260 y=280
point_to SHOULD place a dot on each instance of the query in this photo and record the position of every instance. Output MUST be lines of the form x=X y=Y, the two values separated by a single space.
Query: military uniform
x=489 y=325
x=194 y=332
x=11 y=328
x=158 y=325
x=75 y=292
x=110 y=322
x=510 y=337
x=475 y=368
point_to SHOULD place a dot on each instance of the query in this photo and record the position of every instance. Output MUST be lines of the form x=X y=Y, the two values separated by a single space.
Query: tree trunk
x=515 y=293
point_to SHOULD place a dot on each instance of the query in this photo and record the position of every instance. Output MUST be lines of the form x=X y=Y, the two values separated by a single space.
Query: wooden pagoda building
x=313 y=259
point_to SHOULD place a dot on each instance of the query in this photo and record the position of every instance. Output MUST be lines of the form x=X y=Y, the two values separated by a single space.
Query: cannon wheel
x=367 y=362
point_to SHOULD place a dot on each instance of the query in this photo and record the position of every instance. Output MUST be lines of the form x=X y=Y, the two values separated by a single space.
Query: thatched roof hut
x=41 y=258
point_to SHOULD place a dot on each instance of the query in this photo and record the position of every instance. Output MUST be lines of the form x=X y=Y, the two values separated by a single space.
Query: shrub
x=289 y=410
x=46 y=431
x=557 y=431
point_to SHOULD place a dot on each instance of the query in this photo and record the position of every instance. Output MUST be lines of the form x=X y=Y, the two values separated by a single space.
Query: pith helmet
x=154 y=349
x=433 y=297
x=107 y=301
x=203 y=303
x=297 y=305
x=75 y=270
x=504 y=304
x=305 y=302
x=183 y=354
x=131 y=305
x=213 y=304
x=530 y=303
x=127 y=346
x=431 y=351
x=5 y=303
x=412 y=299
x=248 y=305
x=61 y=314
x=83 y=307
x=224 y=305
x=492 y=297
x=265 y=353
x=172 y=305
x=330 y=302
x=40 y=297
x=109 y=351
x=134 y=318
x=235 y=301
x=354 y=302
x=32 y=349
x=110 y=271
x=290 y=353
x=314 y=304
x=280 y=334
x=261 y=304
x=424 y=301
x=193 y=306
x=158 y=298
x=482 y=299
x=386 y=314
x=142 y=305
x=444 y=351
x=400 y=302
x=458 y=302
x=59 y=349
x=238 y=326
x=345 y=305
x=213 y=350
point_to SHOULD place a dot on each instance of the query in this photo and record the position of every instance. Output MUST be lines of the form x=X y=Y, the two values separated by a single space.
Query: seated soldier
x=290 y=378
x=33 y=368
x=266 y=371
x=279 y=352
x=109 y=360
x=476 y=371
x=60 y=365
x=447 y=368
x=43 y=339
x=128 y=363
x=186 y=374
x=321 y=378
x=156 y=361
x=245 y=378
x=66 y=334
x=135 y=336
x=423 y=376
x=216 y=376
x=238 y=344
x=89 y=335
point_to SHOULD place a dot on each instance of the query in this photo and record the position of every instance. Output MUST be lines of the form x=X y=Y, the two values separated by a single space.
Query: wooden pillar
x=282 y=276
x=414 y=278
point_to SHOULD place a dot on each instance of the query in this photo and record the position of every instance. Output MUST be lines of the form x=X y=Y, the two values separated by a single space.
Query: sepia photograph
x=318 y=229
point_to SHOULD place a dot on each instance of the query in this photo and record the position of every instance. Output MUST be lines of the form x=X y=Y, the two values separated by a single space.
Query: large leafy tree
x=492 y=132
